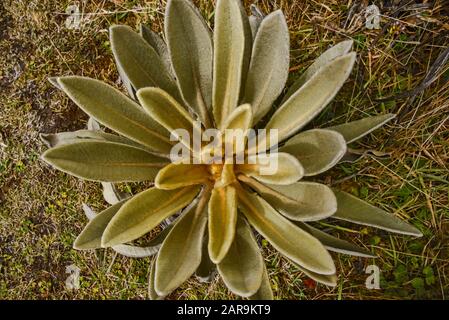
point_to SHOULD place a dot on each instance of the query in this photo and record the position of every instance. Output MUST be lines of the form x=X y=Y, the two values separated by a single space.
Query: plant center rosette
x=209 y=210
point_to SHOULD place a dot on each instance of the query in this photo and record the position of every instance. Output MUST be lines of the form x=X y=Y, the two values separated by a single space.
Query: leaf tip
x=54 y=82
x=144 y=92
x=391 y=116
x=46 y=156
x=117 y=28
x=67 y=81
x=159 y=291
x=416 y=232
x=84 y=243
x=79 y=245
x=351 y=56
x=110 y=238
x=347 y=44
x=159 y=182
x=216 y=257
x=332 y=282
x=278 y=15
x=107 y=242
x=46 y=139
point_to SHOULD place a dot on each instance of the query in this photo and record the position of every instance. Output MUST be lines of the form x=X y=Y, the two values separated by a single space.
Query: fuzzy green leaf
x=206 y=269
x=140 y=62
x=153 y=295
x=317 y=150
x=334 y=52
x=180 y=254
x=269 y=66
x=135 y=251
x=275 y=168
x=191 y=50
x=358 y=211
x=164 y=109
x=242 y=267
x=255 y=19
x=229 y=51
x=59 y=139
x=300 y=201
x=240 y=118
x=90 y=237
x=311 y=98
x=154 y=40
x=355 y=130
x=239 y=121
x=335 y=244
x=247 y=32
x=167 y=112
x=54 y=82
x=265 y=292
x=105 y=161
x=222 y=221
x=116 y=111
x=293 y=242
x=254 y=23
x=326 y=279
x=151 y=248
x=175 y=176
x=144 y=212
x=159 y=45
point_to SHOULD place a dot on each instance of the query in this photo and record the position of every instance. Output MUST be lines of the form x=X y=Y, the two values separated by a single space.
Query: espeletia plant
x=210 y=212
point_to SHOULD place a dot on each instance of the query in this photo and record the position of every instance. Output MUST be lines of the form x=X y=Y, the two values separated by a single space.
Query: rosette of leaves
x=228 y=79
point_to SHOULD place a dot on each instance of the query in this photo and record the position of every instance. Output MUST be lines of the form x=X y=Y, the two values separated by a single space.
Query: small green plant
x=228 y=80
